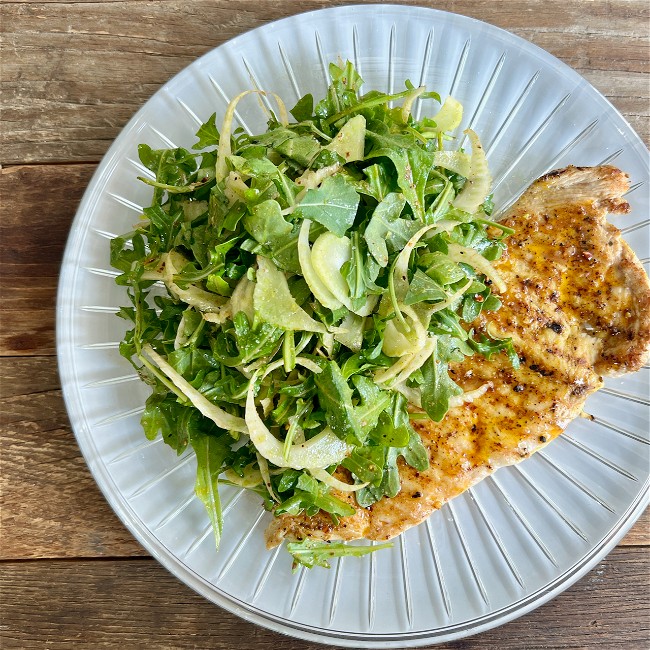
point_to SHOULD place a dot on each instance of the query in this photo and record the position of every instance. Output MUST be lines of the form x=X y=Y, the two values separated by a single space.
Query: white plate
x=498 y=551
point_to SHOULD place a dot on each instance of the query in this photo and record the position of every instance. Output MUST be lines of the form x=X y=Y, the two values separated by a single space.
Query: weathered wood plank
x=50 y=505
x=138 y=604
x=39 y=203
x=74 y=72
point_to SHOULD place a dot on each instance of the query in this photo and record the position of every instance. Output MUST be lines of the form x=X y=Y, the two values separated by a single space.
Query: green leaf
x=471 y=306
x=415 y=453
x=210 y=455
x=311 y=552
x=391 y=431
x=441 y=269
x=378 y=183
x=335 y=397
x=165 y=416
x=412 y=164
x=437 y=387
x=301 y=148
x=488 y=347
x=303 y=109
x=261 y=168
x=386 y=232
x=208 y=134
x=254 y=343
x=374 y=402
x=346 y=75
x=333 y=204
x=267 y=225
x=422 y=288
x=367 y=464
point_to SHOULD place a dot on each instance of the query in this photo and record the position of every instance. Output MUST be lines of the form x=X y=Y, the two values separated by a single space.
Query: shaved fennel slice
x=407 y=105
x=266 y=477
x=349 y=142
x=449 y=116
x=274 y=303
x=251 y=478
x=182 y=337
x=217 y=317
x=453 y=298
x=472 y=257
x=220 y=417
x=412 y=395
x=328 y=254
x=350 y=332
x=194 y=296
x=455 y=161
x=469 y=396
x=404 y=367
x=397 y=343
x=225 y=150
x=325 y=477
x=479 y=181
x=323 y=450
x=242 y=299
x=313 y=178
x=313 y=280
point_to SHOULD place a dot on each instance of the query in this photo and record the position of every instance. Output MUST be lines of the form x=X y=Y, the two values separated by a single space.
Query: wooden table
x=72 y=74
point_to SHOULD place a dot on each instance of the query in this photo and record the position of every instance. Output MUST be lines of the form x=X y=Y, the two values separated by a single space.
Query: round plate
x=499 y=550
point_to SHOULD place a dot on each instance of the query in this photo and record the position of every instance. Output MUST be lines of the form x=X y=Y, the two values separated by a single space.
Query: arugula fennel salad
x=318 y=279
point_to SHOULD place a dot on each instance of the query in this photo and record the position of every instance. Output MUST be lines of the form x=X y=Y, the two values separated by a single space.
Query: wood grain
x=39 y=203
x=50 y=505
x=73 y=73
x=138 y=604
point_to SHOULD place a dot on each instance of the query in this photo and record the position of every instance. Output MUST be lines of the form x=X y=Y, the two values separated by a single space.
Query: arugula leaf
x=488 y=347
x=411 y=163
x=386 y=232
x=423 y=288
x=437 y=386
x=210 y=455
x=374 y=401
x=208 y=134
x=359 y=272
x=379 y=183
x=311 y=552
x=267 y=225
x=303 y=109
x=441 y=269
x=333 y=204
x=367 y=464
x=164 y=415
x=256 y=342
x=301 y=148
x=335 y=398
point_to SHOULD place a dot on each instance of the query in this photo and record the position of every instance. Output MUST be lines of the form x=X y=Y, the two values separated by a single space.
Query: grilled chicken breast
x=577 y=306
